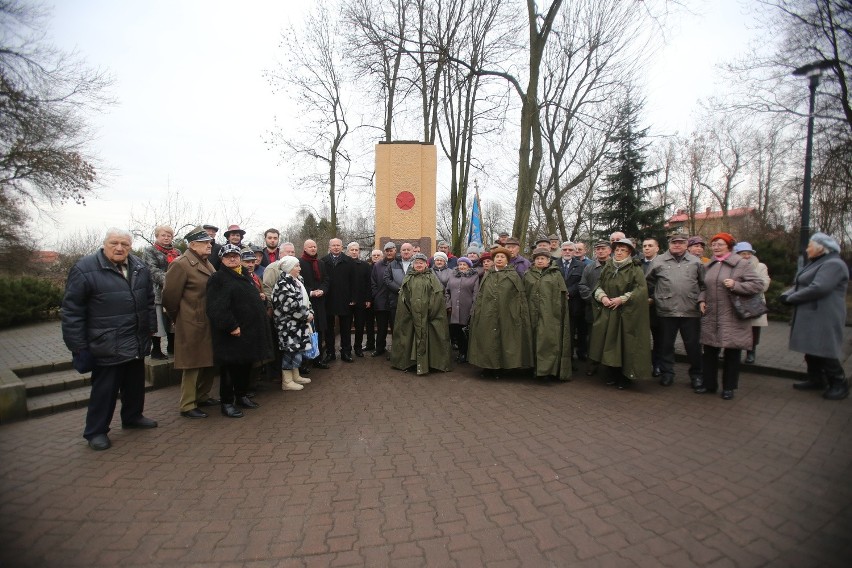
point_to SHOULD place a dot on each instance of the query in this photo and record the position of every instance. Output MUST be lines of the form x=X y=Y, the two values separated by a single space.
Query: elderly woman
x=292 y=315
x=158 y=256
x=440 y=269
x=728 y=274
x=500 y=330
x=547 y=296
x=621 y=337
x=239 y=327
x=460 y=293
x=746 y=251
x=486 y=261
x=819 y=299
x=421 y=338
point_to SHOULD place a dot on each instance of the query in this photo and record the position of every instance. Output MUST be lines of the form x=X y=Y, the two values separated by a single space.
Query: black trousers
x=383 y=320
x=345 y=322
x=730 y=368
x=127 y=378
x=823 y=366
x=579 y=331
x=233 y=381
x=363 y=320
x=459 y=337
x=690 y=332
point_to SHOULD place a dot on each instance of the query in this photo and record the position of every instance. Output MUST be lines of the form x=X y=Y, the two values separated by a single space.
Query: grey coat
x=157 y=266
x=720 y=326
x=819 y=295
x=675 y=285
x=460 y=293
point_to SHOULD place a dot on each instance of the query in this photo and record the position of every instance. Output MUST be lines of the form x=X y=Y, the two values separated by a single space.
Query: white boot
x=299 y=379
x=287 y=383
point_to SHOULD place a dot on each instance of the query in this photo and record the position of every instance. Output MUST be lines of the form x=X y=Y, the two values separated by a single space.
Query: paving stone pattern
x=374 y=467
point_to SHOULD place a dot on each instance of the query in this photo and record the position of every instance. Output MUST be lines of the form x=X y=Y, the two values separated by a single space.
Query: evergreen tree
x=624 y=203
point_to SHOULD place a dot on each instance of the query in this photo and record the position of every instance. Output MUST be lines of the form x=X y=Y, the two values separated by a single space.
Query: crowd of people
x=236 y=307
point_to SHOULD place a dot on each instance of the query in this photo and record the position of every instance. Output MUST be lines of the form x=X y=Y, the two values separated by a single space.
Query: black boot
x=838 y=388
x=812 y=383
x=156 y=350
x=170 y=343
x=749 y=360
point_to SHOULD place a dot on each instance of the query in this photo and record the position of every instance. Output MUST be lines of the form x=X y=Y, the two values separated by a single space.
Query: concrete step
x=54 y=402
x=56 y=381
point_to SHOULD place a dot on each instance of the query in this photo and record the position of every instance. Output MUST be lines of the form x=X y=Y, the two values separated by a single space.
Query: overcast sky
x=193 y=106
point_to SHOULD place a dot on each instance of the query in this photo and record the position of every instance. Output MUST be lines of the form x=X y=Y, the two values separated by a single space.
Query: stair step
x=58 y=381
x=53 y=402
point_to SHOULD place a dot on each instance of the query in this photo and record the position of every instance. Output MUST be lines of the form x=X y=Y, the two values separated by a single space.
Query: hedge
x=26 y=299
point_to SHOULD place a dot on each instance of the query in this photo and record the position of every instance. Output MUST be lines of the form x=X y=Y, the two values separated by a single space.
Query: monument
x=406 y=203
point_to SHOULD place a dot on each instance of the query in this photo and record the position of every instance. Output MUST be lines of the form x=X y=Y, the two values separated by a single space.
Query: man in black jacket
x=107 y=321
x=384 y=302
x=363 y=299
x=340 y=300
x=317 y=284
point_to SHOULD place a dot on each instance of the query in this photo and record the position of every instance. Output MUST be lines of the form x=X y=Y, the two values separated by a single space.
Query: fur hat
x=541 y=252
x=501 y=250
x=229 y=249
x=828 y=242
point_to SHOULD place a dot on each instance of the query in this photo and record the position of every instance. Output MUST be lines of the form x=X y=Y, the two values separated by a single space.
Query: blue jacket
x=107 y=314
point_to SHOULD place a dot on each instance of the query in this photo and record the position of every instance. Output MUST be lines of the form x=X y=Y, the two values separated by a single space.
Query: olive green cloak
x=622 y=337
x=421 y=334
x=500 y=330
x=547 y=296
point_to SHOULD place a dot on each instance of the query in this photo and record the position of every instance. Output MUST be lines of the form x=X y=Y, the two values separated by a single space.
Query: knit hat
x=420 y=256
x=727 y=237
x=438 y=255
x=287 y=264
x=485 y=256
x=829 y=242
x=473 y=248
x=465 y=260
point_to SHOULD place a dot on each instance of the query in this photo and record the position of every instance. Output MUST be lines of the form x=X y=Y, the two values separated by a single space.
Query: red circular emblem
x=405 y=200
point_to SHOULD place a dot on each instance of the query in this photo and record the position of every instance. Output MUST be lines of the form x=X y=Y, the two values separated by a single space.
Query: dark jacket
x=572 y=273
x=380 y=291
x=107 y=314
x=265 y=260
x=361 y=293
x=311 y=283
x=233 y=301
x=394 y=275
x=341 y=291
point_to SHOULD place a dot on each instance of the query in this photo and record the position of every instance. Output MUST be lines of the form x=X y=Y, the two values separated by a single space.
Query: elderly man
x=212 y=230
x=675 y=279
x=107 y=321
x=554 y=247
x=271 y=252
x=363 y=298
x=588 y=283
x=384 y=302
x=339 y=301
x=650 y=250
x=185 y=300
x=398 y=269
x=518 y=262
x=572 y=267
x=444 y=247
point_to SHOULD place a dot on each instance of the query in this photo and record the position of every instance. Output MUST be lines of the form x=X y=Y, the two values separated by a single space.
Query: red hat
x=727 y=237
x=234 y=229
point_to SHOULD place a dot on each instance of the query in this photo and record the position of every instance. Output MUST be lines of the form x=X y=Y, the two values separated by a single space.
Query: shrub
x=25 y=299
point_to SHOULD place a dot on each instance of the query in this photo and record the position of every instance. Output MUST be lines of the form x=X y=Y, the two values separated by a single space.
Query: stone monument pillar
x=406 y=194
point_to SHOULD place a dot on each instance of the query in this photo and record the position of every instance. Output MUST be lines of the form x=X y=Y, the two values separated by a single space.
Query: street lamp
x=812 y=71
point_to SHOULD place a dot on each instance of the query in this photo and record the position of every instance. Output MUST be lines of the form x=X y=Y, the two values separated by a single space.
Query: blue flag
x=474 y=234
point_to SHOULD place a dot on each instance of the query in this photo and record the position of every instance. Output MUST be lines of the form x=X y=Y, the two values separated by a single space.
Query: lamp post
x=812 y=71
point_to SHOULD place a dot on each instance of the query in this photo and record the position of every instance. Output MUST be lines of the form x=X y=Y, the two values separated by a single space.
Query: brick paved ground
x=373 y=467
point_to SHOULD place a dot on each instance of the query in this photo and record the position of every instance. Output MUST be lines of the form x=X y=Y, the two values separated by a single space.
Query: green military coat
x=421 y=334
x=547 y=296
x=622 y=337
x=500 y=330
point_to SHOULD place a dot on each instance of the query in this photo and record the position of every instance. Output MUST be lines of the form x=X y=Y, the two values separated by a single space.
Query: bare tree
x=314 y=79
x=375 y=38
x=728 y=142
x=44 y=156
x=692 y=174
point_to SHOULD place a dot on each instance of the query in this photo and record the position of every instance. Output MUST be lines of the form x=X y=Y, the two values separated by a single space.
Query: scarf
x=723 y=257
x=171 y=252
x=314 y=260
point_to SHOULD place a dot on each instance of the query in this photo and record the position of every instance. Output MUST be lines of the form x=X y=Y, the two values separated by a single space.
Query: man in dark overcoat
x=340 y=300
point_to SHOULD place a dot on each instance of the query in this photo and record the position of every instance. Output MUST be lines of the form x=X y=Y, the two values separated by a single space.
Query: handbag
x=313 y=351
x=748 y=307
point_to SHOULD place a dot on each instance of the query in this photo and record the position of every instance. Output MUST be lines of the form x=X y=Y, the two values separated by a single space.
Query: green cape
x=421 y=334
x=547 y=296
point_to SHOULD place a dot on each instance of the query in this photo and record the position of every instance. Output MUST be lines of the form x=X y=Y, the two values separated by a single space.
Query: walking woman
x=819 y=298
x=728 y=274
x=461 y=291
x=547 y=296
x=240 y=331
x=292 y=314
